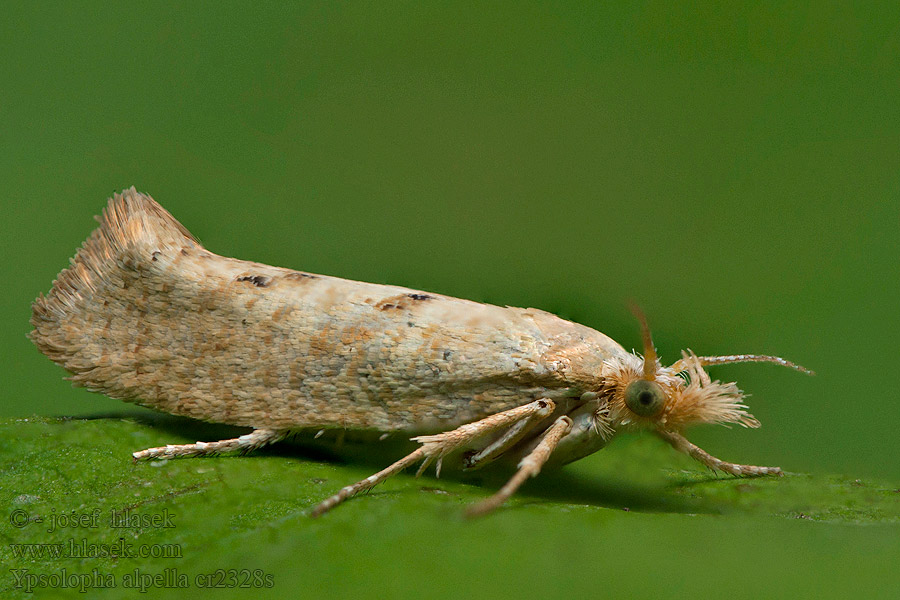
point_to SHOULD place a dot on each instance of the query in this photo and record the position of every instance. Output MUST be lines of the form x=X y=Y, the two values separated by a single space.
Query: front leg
x=680 y=443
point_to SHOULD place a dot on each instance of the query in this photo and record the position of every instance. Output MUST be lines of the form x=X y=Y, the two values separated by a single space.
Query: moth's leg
x=680 y=443
x=479 y=458
x=367 y=483
x=442 y=444
x=438 y=446
x=529 y=466
x=253 y=440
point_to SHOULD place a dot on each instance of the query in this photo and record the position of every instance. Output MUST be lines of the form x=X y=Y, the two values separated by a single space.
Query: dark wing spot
x=155 y=255
x=401 y=302
x=257 y=280
x=298 y=276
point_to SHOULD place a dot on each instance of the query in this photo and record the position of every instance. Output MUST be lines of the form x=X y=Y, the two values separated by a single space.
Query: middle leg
x=438 y=446
x=529 y=466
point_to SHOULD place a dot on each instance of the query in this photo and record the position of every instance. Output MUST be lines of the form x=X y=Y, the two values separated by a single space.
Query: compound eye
x=644 y=398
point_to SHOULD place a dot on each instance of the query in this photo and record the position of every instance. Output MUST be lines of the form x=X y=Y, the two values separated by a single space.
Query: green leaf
x=635 y=519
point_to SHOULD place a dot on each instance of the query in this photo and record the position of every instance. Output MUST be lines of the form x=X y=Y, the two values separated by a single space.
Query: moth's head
x=641 y=393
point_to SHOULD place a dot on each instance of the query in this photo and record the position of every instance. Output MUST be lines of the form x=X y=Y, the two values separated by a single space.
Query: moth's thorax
x=576 y=350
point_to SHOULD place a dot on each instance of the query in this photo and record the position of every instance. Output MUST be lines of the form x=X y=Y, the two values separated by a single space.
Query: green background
x=734 y=169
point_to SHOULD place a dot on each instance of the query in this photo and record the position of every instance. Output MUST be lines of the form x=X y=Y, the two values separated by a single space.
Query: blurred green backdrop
x=734 y=168
x=736 y=171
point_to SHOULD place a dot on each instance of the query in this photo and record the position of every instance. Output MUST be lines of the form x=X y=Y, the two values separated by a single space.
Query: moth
x=144 y=313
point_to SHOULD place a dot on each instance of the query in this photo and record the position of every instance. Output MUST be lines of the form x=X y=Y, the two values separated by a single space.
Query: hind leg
x=253 y=440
